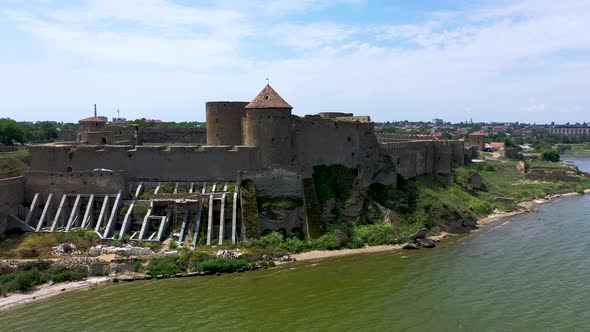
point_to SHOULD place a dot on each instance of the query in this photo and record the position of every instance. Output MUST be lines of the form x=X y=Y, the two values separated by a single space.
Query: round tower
x=267 y=125
x=224 y=122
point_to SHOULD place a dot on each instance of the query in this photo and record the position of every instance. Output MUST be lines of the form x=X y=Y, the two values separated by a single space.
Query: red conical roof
x=268 y=98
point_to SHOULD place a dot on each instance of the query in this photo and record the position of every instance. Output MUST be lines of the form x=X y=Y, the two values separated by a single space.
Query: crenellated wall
x=386 y=138
x=172 y=163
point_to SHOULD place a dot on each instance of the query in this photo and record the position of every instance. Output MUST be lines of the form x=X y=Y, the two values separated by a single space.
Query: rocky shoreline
x=416 y=241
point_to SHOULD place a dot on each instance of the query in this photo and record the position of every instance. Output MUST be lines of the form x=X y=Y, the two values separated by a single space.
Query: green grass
x=505 y=181
x=39 y=245
x=35 y=273
x=14 y=163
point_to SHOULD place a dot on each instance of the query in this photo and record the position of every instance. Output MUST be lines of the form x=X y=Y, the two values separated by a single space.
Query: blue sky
x=393 y=60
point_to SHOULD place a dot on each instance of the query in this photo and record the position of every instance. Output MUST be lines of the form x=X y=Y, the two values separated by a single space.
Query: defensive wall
x=11 y=197
x=318 y=141
x=386 y=138
x=59 y=183
x=150 y=163
x=413 y=158
x=173 y=135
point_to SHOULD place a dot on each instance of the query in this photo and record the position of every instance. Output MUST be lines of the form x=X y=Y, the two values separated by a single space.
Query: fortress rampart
x=90 y=182
x=322 y=142
x=173 y=135
x=172 y=163
x=11 y=197
x=413 y=158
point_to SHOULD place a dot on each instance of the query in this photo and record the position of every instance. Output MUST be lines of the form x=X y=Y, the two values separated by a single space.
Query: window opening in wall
x=104 y=140
x=69 y=169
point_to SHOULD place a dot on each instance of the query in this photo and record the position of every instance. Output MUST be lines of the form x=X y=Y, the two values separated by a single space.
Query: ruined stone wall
x=155 y=163
x=11 y=196
x=91 y=182
x=333 y=115
x=275 y=182
x=224 y=122
x=477 y=140
x=173 y=135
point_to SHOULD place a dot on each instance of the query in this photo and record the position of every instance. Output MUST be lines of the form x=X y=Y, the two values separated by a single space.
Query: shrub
x=295 y=245
x=165 y=265
x=272 y=239
x=376 y=234
x=327 y=242
x=25 y=280
x=63 y=273
x=355 y=243
x=551 y=155
x=221 y=265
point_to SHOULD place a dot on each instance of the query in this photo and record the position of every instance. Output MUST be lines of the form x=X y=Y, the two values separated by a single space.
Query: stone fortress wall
x=413 y=158
x=173 y=135
x=11 y=197
x=96 y=182
x=261 y=141
x=149 y=163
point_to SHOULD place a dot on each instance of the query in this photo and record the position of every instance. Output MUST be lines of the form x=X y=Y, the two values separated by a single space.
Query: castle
x=125 y=181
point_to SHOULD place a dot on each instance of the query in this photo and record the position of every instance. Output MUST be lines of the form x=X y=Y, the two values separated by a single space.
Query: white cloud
x=487 y=58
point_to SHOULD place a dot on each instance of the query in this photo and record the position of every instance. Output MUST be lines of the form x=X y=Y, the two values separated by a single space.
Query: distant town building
x=570 y=131
x=438 y=121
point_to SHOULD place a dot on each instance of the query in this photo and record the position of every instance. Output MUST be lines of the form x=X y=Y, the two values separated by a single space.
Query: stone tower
x=267 y=125
x=224 y=122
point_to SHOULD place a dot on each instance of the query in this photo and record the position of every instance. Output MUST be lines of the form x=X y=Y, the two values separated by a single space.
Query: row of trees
x=15 y=133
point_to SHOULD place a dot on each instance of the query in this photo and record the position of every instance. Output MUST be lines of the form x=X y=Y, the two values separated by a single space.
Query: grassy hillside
x=14 y=163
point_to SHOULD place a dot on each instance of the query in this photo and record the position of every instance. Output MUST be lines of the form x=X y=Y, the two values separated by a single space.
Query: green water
x=525 y=273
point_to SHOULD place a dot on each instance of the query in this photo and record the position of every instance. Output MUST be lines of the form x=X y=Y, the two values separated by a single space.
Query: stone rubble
x=127 y=250
x=228 y=254
x=65 y=249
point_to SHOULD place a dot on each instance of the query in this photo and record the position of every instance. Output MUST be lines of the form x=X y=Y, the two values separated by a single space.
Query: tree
x=552 y=156
x=11 y=133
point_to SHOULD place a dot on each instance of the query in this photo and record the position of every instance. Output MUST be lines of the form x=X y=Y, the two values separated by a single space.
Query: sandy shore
x=48 y=290
x=319 y=254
